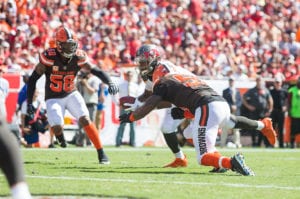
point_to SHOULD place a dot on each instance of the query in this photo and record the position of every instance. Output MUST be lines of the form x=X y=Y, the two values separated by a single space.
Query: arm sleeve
x=101 y=74
x=31 y=86
x=160 y=90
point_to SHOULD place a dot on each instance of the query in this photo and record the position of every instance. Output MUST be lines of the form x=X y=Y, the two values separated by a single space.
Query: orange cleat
x=178 y=162
x=268 y=130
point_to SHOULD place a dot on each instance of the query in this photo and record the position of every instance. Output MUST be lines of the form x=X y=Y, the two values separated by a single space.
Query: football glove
x=125 y=118
x=133 y=106
x=113 y=88
x=177 y=113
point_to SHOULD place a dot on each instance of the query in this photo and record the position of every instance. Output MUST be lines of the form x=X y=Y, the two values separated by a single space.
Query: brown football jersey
x=185 y=91
x=60 y=75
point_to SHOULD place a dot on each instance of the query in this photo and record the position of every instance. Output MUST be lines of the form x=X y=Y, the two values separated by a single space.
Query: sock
x=179 y=155
x=172 y=142
x=260 y=125
x=216 y=160
x=93 y=135
x=226 y=162
x=20 y=191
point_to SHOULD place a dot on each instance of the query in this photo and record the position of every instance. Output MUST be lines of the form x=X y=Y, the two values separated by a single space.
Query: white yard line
x=170 y=182
x=248 y=150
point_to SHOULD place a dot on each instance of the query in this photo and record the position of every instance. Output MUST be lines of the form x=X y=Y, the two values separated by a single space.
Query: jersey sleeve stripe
x=82 y=62
x=44 y=60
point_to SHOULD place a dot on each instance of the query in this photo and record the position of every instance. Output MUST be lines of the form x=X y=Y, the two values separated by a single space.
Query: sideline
x=120 y=149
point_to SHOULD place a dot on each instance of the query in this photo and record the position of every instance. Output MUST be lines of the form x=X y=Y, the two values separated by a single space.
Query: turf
x=138 y=173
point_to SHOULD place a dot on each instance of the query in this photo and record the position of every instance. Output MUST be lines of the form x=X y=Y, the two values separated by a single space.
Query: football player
x=60 y=66
x=11 y=163
x=148 y=58
x=210 y=111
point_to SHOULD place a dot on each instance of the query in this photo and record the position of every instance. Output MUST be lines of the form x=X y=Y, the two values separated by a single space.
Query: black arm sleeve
x=31 y=86
x=101 y=74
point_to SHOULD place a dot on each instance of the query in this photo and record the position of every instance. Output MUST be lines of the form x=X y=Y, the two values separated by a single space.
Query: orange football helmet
x=66 y=42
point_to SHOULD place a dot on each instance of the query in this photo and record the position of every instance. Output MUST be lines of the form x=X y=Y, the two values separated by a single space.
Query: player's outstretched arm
x=142 y=111
x=112 y=87
x=36 y=74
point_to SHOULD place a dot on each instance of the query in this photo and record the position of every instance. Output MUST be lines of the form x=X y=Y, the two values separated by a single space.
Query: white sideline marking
x=250 y=150
x=170 y=182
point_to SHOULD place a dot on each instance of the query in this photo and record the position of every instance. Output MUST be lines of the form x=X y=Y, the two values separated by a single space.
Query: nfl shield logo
x=55 y=68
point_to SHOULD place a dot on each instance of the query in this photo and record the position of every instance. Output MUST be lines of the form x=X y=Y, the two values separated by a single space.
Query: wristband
x=188 y=115
x=131 y=117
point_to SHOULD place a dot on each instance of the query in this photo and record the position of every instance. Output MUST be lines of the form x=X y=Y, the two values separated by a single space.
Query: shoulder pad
x=160 y=71
x=48 y=56
x=82 y=57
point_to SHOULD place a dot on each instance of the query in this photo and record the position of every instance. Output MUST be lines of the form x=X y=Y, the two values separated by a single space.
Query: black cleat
x=239 y=166
x=63 y=144
x=51 y=146
x=103 y=159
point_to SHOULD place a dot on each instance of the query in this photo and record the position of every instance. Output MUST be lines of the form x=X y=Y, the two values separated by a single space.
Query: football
x=126 y=99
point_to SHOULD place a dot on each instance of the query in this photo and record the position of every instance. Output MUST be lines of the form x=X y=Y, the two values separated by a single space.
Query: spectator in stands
x=4 y=88
x=210 y=23
x=102 y=93
x=279 y=95
x=31 y=127
x=233 y=97
x=127 y=88
x=22 y=95
x=294 y=111
x=258 y=104
x=87 y=85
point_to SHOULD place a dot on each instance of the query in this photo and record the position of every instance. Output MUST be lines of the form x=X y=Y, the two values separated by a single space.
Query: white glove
x=134 y=106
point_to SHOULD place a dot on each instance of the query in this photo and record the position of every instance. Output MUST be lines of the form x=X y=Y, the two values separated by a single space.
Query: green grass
x=138 y=173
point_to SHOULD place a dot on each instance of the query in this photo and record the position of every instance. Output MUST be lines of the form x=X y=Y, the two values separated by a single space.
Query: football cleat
x=268 y=130
x=178 y=162
x=239 y=166
x=103 y=159
x=63 y=144
x=218 y=170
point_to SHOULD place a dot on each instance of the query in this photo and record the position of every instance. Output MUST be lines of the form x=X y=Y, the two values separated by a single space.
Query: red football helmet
x=147 y=57
x=66 y=42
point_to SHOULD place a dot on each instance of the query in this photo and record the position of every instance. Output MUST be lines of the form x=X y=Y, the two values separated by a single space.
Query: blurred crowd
x=213 y=38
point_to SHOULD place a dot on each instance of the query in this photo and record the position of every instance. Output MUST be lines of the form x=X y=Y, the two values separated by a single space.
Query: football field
x=138 y=173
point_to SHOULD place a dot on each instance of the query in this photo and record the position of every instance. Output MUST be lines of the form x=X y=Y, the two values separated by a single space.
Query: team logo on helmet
x=147 y=57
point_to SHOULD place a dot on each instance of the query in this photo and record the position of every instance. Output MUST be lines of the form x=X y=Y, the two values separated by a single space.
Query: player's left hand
x=125 y=118
x=113 y=88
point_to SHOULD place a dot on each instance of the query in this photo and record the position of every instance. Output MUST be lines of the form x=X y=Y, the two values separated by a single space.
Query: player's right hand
x=177 y=113
x=113 y=88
